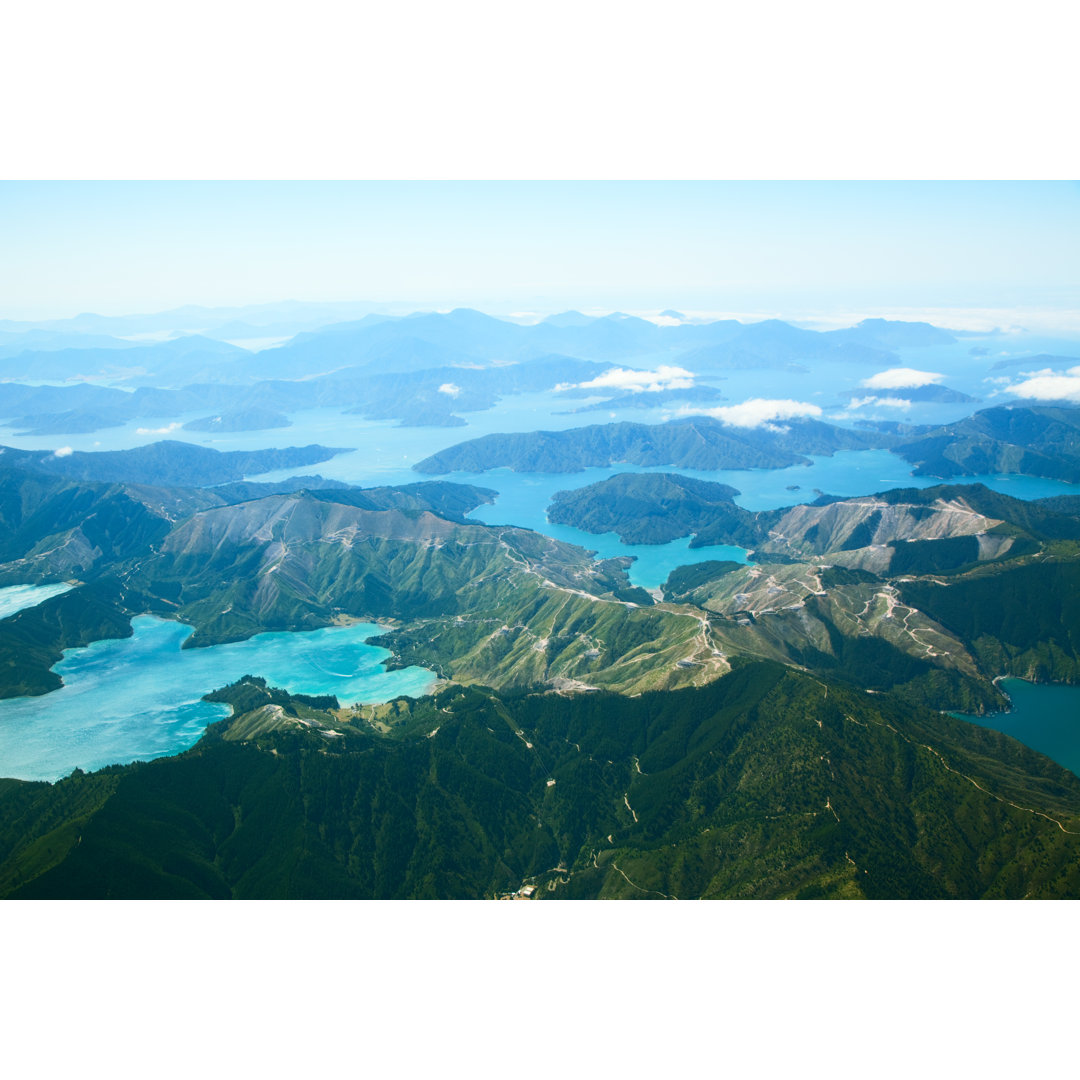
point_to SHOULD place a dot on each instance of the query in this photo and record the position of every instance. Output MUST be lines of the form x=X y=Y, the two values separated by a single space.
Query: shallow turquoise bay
x=138 y=698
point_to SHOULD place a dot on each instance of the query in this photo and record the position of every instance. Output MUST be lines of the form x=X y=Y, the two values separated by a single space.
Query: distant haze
x=797 y=250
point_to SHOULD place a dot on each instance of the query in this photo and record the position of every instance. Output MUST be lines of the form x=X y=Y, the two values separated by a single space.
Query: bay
x=138 y=698
x=1044 y=716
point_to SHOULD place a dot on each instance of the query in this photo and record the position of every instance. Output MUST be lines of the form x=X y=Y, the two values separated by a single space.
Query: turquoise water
x=138 y=698
x=524 y=498
x=1044 y=716
x=523 y=501
x=15 y=598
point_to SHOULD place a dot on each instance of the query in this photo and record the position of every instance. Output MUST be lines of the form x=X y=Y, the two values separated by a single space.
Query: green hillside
x=1032 y=440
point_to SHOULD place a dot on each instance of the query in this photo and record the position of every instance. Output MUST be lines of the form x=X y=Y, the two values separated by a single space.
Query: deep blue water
x=138 y=698
x=1044 y=716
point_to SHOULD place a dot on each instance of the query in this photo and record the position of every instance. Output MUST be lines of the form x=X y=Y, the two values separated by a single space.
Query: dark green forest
x=767 y=783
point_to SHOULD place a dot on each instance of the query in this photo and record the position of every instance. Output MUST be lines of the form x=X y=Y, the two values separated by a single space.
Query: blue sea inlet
x=1044 y=716
x=138 y=698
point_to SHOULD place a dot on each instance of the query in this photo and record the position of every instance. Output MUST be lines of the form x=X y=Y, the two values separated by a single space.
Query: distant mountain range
x=182 y=357
x=432 y=397
x=461 y=337
x=167 y=463
x=288 y=317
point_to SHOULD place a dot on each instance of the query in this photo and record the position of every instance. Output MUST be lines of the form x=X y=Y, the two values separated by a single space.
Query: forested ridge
x=767 y=783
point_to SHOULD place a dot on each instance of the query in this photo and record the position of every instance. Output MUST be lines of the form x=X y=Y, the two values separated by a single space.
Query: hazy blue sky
x=119 y=247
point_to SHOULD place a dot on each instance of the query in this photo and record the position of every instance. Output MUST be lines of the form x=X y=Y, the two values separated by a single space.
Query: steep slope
x=903 y=529
x=936 y=591
x=34 y=639
x=51 y=528
x=498 y=605
x=766 y=784
x=100 y=536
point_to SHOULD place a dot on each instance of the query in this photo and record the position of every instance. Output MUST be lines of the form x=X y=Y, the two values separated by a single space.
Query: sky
x=778 y=159
x=115 y=247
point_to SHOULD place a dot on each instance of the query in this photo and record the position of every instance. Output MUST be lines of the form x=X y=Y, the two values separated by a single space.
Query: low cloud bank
x=901 y=378
x=759 y=412
x=665 y=377
x=159 y=430
x=1049 y=386
x=452 y=389
x=880 y=402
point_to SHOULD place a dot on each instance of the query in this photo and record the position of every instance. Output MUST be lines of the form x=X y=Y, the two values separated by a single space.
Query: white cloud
x=1047 y=386
x=159 y=430
x=64 y=451
x=759 y=412
x=884 y=402
x=450 y=388
x=664 y=377
x=901 y=378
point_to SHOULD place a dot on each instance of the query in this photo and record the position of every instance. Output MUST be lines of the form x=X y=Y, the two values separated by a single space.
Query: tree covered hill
x=168 y=463
x=1027 y=440
x=768 y=783
x=1038 y=440
x=697 y=442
